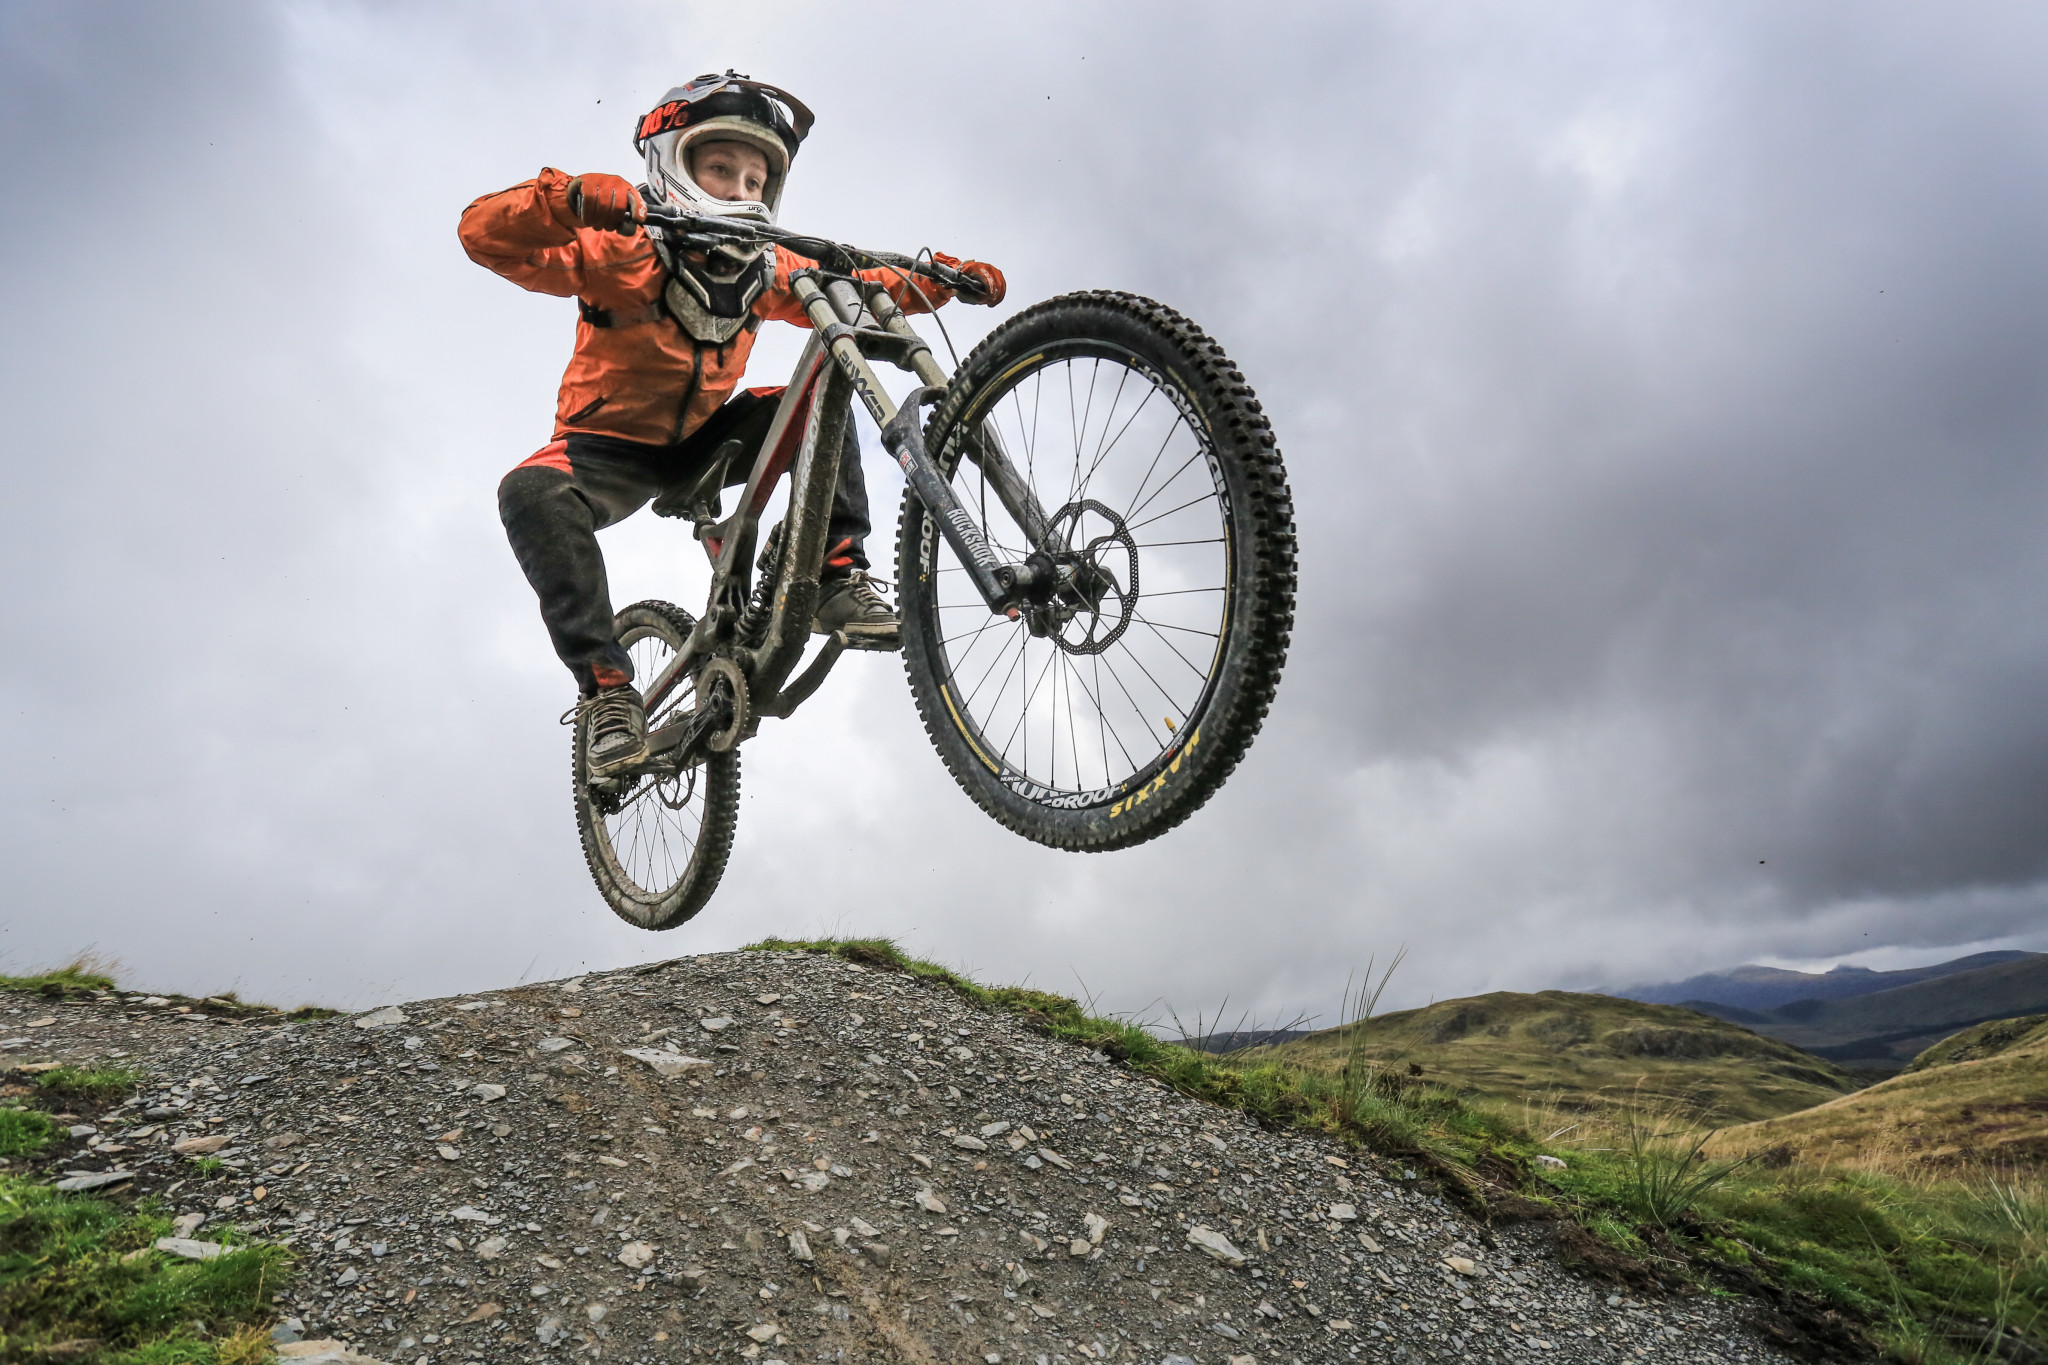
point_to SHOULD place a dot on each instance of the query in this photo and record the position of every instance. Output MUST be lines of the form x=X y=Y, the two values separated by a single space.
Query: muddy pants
x=554 y=504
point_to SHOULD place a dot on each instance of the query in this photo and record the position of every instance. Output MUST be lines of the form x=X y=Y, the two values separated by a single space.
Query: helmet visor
x=730 y=95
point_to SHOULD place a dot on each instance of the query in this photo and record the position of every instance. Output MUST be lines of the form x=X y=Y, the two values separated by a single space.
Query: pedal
x=877 y=644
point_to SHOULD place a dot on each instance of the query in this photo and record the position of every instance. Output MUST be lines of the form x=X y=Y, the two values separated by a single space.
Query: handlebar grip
x=954 y=280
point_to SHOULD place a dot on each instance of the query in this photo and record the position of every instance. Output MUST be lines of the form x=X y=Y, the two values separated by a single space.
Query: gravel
x=789 y=1157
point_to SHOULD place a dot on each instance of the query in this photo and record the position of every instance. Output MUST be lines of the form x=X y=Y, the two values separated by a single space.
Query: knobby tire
x=1257 y=581
x=673 y=901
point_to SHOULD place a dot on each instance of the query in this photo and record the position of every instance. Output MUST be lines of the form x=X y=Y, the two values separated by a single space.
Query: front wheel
x=657 y=842
x=1108 y=713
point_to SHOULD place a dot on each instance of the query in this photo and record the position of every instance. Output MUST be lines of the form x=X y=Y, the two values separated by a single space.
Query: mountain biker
x=661 y=343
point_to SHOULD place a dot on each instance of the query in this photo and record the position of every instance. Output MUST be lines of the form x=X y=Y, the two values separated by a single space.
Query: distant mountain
x=1764 y=988
x=1239 y=1039
x=1885 y=1029
x=1580 y=1054
x=1976 y=1101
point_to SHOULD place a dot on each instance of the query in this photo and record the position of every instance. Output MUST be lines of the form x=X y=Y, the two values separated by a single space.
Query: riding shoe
x=850 y=603
x=617 y=730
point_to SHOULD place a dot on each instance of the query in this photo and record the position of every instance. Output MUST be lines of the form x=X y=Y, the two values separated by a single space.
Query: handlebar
x=701 y=232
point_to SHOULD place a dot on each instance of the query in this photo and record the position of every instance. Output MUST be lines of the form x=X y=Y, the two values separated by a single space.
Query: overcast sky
x=1664 y=389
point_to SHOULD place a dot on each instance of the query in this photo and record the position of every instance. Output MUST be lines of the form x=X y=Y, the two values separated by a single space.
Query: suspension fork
x=981 y=445
x=1000 y=585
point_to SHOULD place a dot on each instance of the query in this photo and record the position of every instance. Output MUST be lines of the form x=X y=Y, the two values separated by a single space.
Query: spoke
x=1102 y=720
x=1074 y=479
x=1198 y=672
x=1076 y=430
x=1164 y=544
x=1182 y=592
x=1136 y=709
x=1031 y=445
x=992 y=668
x=1103 y=452
x=1067 y=670
x=1164 y=441
x=945 y=641
x=1203 y=497
x=1166 y=485
x=1149 y=678
x=1160 y=625
x=1081 y=480
x=1104 y=731
x=1024 y=711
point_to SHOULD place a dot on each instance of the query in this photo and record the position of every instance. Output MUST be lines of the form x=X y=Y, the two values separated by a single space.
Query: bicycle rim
x=1129 y=479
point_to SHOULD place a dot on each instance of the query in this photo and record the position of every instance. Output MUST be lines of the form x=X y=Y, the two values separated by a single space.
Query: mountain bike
x=1095 y=562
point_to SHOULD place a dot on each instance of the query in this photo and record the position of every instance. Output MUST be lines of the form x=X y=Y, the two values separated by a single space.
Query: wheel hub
x=1087 y=600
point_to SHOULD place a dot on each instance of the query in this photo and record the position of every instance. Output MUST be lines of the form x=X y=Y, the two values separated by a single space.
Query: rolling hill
x=1979 y=1098
x=1583 y=1054
x=1887 y=1029
x=1751 y=987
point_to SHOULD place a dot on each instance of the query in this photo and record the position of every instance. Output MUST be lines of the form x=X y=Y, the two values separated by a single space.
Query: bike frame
x=852 y=320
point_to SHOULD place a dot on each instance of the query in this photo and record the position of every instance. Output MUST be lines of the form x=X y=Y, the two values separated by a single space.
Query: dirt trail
x=789 y=1157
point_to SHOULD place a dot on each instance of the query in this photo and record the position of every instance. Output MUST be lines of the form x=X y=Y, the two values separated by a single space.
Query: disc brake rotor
x=675 y=792
x=1095 y=599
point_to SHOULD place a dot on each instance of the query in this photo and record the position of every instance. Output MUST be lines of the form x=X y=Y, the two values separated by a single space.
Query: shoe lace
x=611 y=714
x=863 y=590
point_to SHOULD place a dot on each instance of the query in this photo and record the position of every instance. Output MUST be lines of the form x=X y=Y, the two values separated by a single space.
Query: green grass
x=77 y=1269
x=25 y=1132
x=1978 y=1099
x=91 y=975
x=1931 y=1265
x=1931 y=1270
x=78 y=978
x=1587 y=1054
x=91 y=1084
x=1985 y=1040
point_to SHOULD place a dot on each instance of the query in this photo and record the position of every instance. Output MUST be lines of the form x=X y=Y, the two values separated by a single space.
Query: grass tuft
x=94 y=1084
x=91 y=975
x=1667 y=1173
x=76 y=1269
x=84 y=976
x=25 y=1132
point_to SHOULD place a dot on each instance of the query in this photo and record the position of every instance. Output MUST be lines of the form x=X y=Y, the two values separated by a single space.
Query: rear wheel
x=657 y=842
x=1107 y=714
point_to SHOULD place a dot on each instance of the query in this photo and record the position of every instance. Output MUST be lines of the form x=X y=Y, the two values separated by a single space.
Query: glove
x=605 y=202
x=982 y=273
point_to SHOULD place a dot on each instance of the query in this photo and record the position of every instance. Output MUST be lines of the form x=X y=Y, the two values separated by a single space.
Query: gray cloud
x=1661 y=389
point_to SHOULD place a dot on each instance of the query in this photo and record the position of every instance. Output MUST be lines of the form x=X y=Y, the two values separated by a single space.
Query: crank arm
x=799 y=688
x=683 y=734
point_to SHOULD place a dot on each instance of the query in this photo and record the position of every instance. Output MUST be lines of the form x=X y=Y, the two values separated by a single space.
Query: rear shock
x=753 y=622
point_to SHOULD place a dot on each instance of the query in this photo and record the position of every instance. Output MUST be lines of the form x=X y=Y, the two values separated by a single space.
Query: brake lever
x=953 y=279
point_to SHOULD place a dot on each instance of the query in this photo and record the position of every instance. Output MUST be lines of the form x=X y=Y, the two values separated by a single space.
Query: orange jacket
x=648 y=380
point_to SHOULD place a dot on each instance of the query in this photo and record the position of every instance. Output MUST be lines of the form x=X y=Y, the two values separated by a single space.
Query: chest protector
x=713 y=299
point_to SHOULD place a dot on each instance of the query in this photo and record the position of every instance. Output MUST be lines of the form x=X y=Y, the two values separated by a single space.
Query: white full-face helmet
x=712 y=293
x=728 y=108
